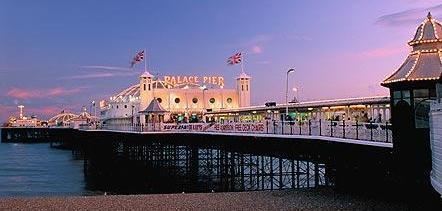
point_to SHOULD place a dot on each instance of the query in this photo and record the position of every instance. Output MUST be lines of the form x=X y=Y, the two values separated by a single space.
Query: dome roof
x=146 y=75
x=62 y=117
x=425 y=60
x=430 y=30
x=133 y=91
x=84 y=116
x=243 y=75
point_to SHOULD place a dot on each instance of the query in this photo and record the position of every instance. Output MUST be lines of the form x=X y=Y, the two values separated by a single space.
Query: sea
x=28 y=170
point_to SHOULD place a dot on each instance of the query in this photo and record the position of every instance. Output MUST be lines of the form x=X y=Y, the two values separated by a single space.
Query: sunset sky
x=58 y=55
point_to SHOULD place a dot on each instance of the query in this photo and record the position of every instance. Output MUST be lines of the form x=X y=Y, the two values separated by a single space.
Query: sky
x=57 y=55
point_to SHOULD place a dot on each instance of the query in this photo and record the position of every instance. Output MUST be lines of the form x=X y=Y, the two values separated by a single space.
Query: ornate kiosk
x=412 y=87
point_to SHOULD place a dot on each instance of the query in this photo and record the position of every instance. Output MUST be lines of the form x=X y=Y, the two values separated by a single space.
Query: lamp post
x=94 y=107
x=287 y=92
x=132 y=121
x=296 y=91
x=204 y=88
x=187 y=103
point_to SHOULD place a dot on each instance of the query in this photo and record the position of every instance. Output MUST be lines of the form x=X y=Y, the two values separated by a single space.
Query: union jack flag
x=137 y=58
x=235 y=59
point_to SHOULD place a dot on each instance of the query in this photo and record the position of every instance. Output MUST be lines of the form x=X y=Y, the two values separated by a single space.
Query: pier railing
x=377 y=132
x=367 y=131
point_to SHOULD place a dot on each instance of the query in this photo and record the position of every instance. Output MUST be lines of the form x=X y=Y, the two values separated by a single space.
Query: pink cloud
x=20 y=93
x=256 y=49
x=46 y=111
x=383 y=52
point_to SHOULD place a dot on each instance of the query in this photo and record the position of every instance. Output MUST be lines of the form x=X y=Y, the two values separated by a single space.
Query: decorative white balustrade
x=378 y=132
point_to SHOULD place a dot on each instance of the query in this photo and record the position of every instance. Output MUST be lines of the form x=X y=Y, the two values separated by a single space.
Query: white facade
x=436 y=145
x=184 y=99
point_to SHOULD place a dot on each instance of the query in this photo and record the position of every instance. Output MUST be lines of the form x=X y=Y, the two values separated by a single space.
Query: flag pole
x=145 y=58
x=242 y=63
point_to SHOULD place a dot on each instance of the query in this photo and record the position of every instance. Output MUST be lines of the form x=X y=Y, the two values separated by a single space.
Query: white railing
x=377 y=132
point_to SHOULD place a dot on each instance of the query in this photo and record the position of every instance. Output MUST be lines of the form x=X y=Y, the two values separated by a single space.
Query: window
x=195 y=100
x=438 y=90
x=125 y=106
x=159 y=100
x=229 y=100
x=421 y=93
x=397 y=95
x=177 y=100
x=401 y=95
x=144 y=87
x=149 y=87
x=405 y=93
x=117 y=107
x=242 y=87
x=212 y=100
x=247 y=87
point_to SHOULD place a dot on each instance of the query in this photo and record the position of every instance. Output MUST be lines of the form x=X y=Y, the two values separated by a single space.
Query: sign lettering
x=178 y=80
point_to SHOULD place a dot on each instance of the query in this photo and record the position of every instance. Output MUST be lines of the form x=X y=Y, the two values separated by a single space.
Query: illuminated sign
x=178 y=80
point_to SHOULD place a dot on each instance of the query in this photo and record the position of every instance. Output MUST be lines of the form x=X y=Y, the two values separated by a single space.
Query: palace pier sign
x=178 y=80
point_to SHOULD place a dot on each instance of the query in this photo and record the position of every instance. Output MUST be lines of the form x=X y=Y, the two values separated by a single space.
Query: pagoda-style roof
x=424 y=63
x=154 y=108
x=430 y=30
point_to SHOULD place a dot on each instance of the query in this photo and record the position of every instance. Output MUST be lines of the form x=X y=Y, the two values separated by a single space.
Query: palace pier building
x=175 y=99
x=204 y=98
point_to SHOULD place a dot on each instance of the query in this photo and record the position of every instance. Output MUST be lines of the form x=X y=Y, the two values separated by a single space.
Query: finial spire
x=429 y=16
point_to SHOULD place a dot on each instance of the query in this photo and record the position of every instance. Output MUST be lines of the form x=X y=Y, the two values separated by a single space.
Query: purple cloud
x=100 y=67
x=408 y=17
x=99 y=75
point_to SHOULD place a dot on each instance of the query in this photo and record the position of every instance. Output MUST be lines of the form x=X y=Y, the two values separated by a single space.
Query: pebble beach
x=258 y=200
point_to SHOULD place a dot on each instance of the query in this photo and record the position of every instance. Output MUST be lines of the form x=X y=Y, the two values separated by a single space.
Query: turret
x=146 y=92
x=243 y=89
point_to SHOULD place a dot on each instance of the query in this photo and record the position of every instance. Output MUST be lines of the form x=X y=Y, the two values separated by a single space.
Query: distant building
x=22 y=120
x=83 y=120
x=71 y=120
x=62 y=119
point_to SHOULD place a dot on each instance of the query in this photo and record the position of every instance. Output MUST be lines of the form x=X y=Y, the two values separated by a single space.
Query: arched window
x=229 y=100
x=212 y=100
x=195 y=100
x=177 y=100
x=159 y=100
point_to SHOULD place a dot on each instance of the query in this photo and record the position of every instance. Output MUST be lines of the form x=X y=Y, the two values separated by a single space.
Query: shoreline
x=254 y=200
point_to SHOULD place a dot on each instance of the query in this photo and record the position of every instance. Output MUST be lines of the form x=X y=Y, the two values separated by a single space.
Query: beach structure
x=412 y=89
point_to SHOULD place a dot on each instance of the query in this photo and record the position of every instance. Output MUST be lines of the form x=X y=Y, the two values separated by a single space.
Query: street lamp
x=296 y=91
x=187 y=103
x=287 y=92
x=204 y=88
